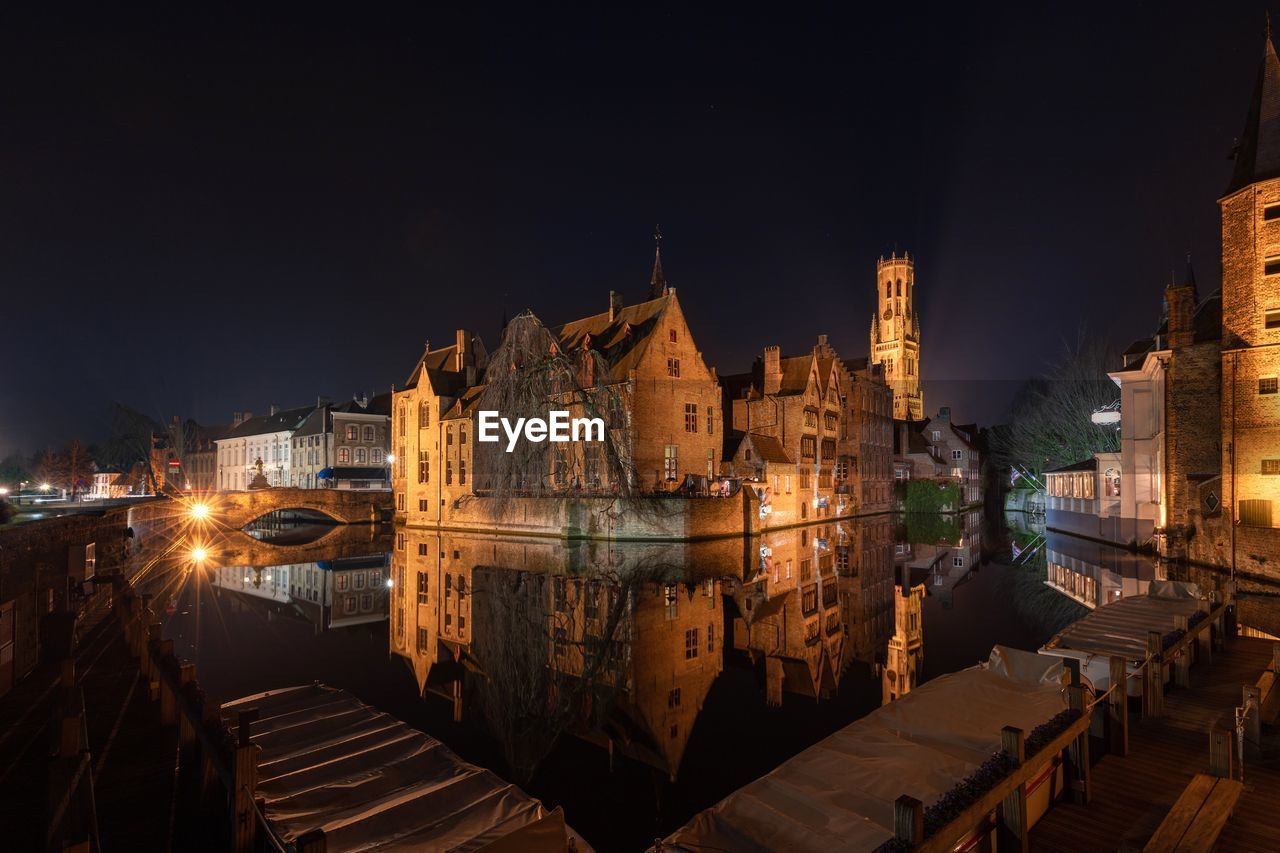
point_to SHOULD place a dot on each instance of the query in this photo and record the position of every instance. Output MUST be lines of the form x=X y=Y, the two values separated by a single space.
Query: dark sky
x=212 y=212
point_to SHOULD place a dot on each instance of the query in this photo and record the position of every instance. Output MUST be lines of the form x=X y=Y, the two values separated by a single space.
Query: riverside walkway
x=1133 y=794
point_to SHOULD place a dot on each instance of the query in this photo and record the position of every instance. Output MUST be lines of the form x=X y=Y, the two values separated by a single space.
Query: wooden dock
x=1132 y=794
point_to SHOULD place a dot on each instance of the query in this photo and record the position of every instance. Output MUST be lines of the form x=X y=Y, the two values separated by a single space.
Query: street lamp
x=44 y=487
x=199 y=511
x=199 y=554
x=391 y=458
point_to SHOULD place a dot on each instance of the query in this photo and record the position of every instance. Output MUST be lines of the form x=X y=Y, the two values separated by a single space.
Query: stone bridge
x=237 y=548
x=236 y=509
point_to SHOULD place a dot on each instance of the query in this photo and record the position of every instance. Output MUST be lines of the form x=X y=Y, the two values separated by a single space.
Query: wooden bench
x=1196 y=819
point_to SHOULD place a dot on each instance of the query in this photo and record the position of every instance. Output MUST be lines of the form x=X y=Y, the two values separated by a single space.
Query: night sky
x=206 y=214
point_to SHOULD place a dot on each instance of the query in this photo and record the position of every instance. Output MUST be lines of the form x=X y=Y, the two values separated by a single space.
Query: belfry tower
x=895 y=334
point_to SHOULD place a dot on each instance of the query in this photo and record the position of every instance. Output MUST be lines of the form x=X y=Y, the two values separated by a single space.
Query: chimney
x=822 y=340
x=615 y=304
x=1182 y=305
x=274 y=408
x=463 y=357
x=772 y=370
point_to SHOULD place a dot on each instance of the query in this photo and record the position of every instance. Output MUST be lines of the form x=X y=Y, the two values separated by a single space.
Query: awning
x=356 y=473
x=326 y=474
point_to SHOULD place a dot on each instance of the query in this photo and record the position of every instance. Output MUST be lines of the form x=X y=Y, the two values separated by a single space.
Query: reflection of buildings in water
x=1094 y=574
x=943 y=565
x=789 y=613
x=905 y=657
x=593 y=639
x=328 y=593
x=866 y=590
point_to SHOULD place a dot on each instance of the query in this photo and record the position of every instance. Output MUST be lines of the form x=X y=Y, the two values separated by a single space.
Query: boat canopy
x=371 y=782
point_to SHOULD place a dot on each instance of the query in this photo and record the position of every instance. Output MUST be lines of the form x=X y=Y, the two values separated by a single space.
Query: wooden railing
x=1003 y=807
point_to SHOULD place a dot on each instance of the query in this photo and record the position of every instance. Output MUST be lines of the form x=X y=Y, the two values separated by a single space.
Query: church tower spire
x=1257 y=153
x=657 y=281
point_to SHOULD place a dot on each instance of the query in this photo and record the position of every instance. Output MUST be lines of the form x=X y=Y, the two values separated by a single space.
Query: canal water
x=632 y=684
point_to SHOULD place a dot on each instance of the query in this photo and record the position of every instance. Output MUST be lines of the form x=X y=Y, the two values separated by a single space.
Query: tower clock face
x=888 y=313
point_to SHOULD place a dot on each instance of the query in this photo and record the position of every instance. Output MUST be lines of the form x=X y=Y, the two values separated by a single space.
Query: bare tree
x=1051 y=423
x=76 y=466
x=50 y=468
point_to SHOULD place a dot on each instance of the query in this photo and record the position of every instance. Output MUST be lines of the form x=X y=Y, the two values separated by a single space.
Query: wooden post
x=186 y=726
x=1220 y=752
x=1118 y=709
x=1204 y=640
x=244 y=824
x=1229 y=596
x=1218 y=628
x=1275 y=659
x=1073 y=670
x=1251 y=701
x=1153 y=677
x=1078 y=751
x=1182 y=663
x=908 y=821
x=1011 y=818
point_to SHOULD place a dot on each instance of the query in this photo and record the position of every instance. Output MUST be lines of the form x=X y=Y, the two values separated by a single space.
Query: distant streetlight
x=4 y=490
x=199 y=511
x=391 y=457
x=390 y=583
x=198 y=554
x=44 y=487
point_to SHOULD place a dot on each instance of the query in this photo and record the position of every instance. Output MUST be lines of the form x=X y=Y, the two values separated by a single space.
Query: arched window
x=888 y=289
x=899 y=287
x=424 y=415
x=353 y=432
x=361 y=457
x=368 y=432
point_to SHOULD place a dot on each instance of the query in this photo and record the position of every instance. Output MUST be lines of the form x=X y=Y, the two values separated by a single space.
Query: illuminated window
x=352 y=432
x=1271 y=467
x=673 y=336
x=1268 y=385
x=344 y=454
x=670 y=461
x=424 y=467
x=673 y=367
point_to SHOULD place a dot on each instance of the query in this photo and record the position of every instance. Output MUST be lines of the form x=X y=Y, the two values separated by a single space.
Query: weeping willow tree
x=554 y=653
x=528 y=376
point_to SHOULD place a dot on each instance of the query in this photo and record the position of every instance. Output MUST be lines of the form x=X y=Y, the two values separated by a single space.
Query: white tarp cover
x=373 y=783
x=1121 y=627
x=839 y=793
